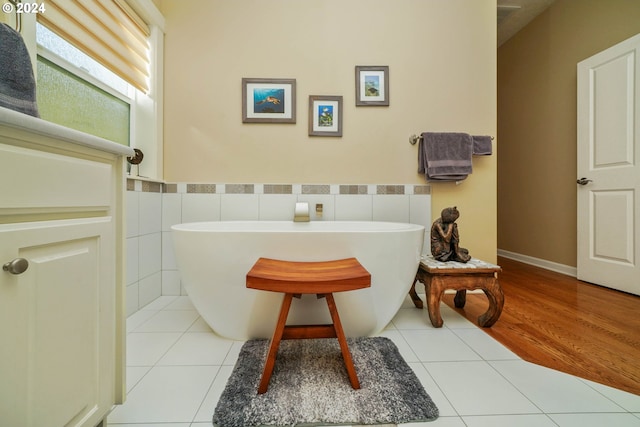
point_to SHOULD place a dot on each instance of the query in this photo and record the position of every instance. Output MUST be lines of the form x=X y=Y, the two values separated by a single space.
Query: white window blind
x=107 y=30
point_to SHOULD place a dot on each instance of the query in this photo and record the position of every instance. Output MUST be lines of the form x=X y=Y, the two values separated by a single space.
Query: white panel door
x=609 y=167
x=56 y=333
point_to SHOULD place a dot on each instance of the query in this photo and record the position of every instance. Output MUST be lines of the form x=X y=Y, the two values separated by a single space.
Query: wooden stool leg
x=461 y=298
x=434 y=289
x=494 y=294
x=414 y=295
x=275 y=343
x=346 y=355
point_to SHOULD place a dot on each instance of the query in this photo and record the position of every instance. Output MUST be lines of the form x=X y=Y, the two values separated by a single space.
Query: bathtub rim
x=267 y=226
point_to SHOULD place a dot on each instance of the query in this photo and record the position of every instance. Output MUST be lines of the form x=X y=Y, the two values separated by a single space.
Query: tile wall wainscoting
x=153 y=207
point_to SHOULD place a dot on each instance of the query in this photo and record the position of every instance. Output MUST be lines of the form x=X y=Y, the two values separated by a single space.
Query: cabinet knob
x=17 y=266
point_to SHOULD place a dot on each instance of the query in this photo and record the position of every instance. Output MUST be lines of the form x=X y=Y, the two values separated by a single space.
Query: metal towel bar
x=415 y=138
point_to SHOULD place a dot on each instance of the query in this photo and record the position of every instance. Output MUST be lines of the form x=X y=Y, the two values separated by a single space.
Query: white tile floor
x=177 y=369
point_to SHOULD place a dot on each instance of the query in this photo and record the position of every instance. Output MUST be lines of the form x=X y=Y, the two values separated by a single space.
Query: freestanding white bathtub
x=214 y=257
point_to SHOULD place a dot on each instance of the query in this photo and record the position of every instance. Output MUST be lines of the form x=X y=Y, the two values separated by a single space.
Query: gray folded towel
x=482 y=145
x=445 y=156
x=17 y=84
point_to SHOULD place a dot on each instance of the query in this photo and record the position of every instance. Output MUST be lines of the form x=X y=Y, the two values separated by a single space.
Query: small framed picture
x=268 y=100
x=372 y=85
x=325 y=115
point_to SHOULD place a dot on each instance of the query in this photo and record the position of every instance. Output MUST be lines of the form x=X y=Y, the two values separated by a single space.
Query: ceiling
x=513 y=15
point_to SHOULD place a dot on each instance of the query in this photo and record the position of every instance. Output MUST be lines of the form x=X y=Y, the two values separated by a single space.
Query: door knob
x=17 y=266
x=583 y=181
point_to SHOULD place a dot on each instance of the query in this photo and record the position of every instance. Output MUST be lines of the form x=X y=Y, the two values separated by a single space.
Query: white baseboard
x=542 y=263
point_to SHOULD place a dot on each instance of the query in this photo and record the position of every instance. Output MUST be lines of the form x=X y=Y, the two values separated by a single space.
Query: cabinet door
x=56 y=336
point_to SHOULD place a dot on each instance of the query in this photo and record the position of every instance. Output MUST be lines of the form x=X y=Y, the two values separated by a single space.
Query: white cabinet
x=61 y=319
x=56 y=323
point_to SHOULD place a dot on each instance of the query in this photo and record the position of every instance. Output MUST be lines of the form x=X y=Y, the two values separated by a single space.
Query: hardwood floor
x=557 y=321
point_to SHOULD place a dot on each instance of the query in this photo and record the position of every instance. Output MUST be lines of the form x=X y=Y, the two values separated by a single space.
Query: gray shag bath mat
x=309 y=386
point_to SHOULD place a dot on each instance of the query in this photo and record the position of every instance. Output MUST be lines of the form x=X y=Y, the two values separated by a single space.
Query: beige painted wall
x=442 y=60
x=537 y=122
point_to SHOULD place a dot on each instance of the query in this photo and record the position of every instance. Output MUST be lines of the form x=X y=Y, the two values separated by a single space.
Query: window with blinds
x=109 y=31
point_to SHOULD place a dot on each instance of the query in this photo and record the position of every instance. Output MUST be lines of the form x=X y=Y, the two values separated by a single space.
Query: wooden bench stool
x=439 y=276
x=296 y=278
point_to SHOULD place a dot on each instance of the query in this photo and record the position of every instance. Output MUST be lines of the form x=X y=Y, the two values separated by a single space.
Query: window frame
x=146 y=112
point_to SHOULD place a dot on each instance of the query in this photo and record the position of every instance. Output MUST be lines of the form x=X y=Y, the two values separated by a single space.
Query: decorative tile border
x=144 y=186
x=390 y=189
x=170 y=188
x=239 y=188
x=278 y=189
x=421 y=189
x=354 y=189
x=316 y=189
x=201 y=188
x=151 y=187
x=307 y=189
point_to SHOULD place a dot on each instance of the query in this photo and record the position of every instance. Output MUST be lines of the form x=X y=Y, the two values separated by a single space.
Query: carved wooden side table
x=439 y=276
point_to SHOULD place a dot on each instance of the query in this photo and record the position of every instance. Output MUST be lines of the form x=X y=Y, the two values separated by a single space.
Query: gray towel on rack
x=445 y=156
x=17 y=84
x=482 y=145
